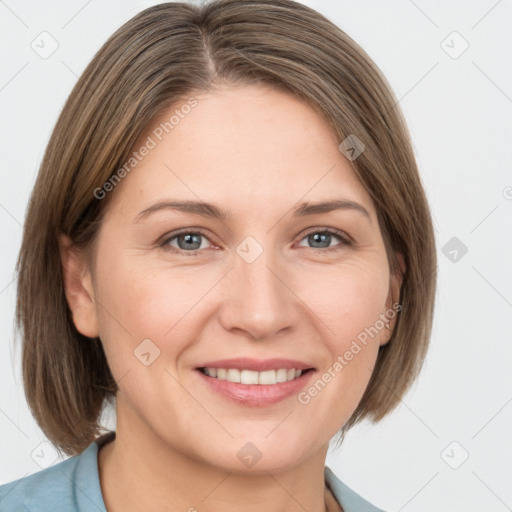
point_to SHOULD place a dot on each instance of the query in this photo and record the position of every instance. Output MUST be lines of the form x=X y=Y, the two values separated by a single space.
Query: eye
x=321 y=239
x=186 y=241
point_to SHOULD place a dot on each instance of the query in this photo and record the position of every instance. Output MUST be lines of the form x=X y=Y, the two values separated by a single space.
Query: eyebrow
x=212 y=211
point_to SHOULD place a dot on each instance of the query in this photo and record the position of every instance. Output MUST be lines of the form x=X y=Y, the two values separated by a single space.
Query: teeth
x=252 y=377
x=249 y=377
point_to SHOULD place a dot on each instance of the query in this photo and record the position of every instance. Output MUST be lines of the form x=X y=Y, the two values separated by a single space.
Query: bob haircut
x=160 y=56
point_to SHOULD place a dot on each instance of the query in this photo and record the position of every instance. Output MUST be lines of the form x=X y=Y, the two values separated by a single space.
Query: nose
x=259 y=299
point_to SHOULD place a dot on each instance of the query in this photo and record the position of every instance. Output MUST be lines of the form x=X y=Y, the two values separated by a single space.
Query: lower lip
x=254 y=395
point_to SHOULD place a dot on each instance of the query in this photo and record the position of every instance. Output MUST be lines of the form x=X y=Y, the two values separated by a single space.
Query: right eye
x=185 y=241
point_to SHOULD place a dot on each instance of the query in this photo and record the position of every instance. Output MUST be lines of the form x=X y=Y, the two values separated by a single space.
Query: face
x=174 y=289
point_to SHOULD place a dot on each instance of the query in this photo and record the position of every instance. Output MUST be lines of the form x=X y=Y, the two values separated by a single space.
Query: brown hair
x=159 y=56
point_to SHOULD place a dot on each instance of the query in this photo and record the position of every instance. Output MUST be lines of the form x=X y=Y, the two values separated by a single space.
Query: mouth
x=255 y=383
x=250 y=377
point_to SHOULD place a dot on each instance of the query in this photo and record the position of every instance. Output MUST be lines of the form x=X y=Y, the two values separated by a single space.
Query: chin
x=260 y=455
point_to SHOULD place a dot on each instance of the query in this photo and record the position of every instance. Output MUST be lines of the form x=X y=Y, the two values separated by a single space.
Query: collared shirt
x=73 y=485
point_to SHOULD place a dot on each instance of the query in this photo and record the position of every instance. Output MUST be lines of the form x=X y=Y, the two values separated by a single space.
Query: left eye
x=324 y=238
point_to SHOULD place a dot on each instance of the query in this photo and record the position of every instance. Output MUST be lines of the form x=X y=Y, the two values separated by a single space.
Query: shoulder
x=346 y=497
x=49 y=489
x=71 y=485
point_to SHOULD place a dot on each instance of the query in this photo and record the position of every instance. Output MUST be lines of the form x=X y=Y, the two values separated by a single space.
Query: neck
x=177 y=479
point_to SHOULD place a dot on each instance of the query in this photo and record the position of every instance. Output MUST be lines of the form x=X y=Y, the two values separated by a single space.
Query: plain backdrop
x=447 y=446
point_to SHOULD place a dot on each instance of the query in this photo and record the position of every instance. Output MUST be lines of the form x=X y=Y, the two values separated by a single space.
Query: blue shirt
x=73 y=485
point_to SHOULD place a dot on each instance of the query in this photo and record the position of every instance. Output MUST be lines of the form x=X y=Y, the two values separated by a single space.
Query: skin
x=258 y=153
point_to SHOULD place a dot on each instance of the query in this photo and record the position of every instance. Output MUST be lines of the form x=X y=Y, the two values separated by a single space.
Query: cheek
x=348 y=300
x=139 y=302
x=145 y=325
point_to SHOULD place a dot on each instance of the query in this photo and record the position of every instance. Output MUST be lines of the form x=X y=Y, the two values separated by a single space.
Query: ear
x=392 y=306
x=78 y=288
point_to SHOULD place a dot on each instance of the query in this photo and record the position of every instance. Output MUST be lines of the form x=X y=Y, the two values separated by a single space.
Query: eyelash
x=346 y=241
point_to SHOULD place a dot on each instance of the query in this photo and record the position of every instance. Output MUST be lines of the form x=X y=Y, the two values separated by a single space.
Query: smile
x=242 y=376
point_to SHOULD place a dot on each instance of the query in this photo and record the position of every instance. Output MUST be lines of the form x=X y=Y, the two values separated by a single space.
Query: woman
x=228 y=239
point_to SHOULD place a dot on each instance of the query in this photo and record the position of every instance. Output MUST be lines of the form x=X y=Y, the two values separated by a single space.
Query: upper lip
x=257 y=365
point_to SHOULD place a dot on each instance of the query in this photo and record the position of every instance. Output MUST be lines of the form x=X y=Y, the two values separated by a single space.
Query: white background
x=459 y=112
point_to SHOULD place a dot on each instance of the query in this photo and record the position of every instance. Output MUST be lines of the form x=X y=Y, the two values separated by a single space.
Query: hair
x=158 y=57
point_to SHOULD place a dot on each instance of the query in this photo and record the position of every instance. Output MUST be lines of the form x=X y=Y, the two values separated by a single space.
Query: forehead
x=246 y=145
